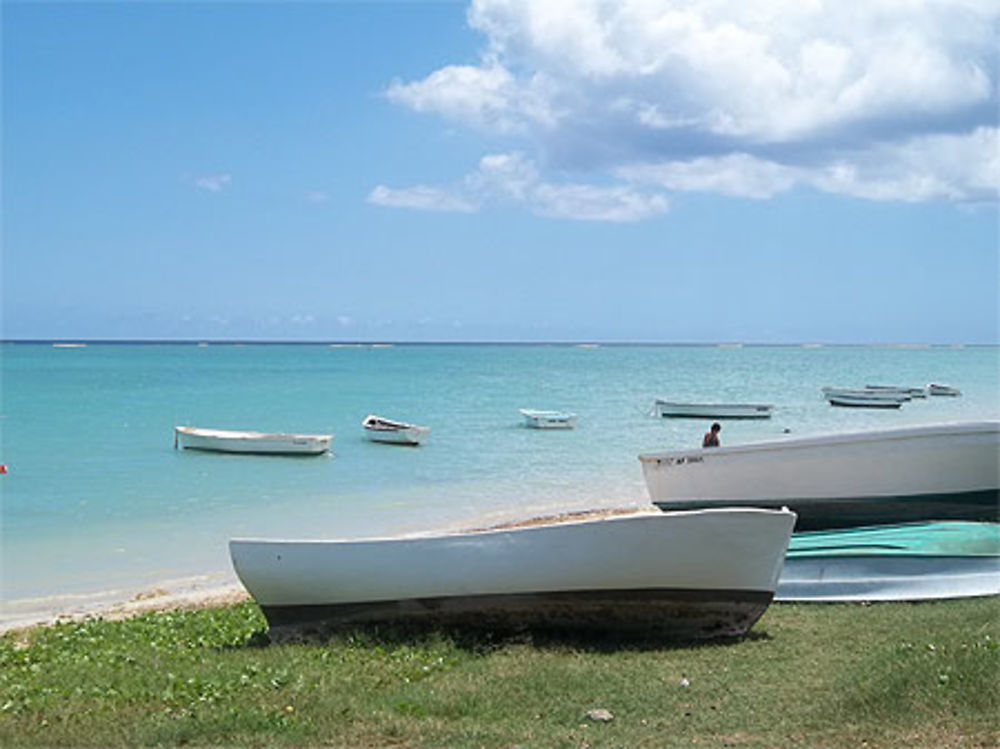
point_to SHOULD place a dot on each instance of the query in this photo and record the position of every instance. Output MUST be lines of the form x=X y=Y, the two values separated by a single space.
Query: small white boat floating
x=911 y=392
x=864 y=398
x=672 y=409
x=680 y=574
x=548 y=419
x=934 y=389
x=263 y=443
x=379 y=429
x=937 y=472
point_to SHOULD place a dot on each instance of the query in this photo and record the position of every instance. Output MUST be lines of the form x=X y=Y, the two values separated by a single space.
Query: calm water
x=96 y=497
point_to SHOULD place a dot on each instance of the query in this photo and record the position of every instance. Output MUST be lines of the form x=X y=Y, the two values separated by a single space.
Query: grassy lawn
x=886 y=675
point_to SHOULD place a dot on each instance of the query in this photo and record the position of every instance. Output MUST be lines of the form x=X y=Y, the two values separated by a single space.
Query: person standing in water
x=711 y=438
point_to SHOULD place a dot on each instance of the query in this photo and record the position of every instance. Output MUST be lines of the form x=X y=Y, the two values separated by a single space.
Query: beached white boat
x=864 y=398
x=939 y=472
x=548 y=419
x=673 y=409
x=264 y=443
x=379 y=429
x=911 y=562
x=934 y=389
x=683 y=574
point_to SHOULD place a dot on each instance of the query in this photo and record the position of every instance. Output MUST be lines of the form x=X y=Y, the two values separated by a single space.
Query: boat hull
x=406 y=436
x=921 y=473
x=667 y=409
x=548 y=419
x=684 y=575
x=258 y=443
x=861 y=401
x=918 y=562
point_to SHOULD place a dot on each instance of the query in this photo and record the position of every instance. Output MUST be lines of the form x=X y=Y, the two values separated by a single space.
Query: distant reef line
x=594 y=343
x=583 y=343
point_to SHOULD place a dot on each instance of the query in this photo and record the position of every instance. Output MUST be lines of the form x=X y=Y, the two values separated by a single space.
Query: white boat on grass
x=379 y=429
x=934 y=389
x=548 y=419
x=683 y=574
x=911 y=562
x=264 y=443
x=939 y=472
x=673 y=409
x=864 y=398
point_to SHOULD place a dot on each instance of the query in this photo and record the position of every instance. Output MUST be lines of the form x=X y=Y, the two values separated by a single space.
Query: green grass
x=829 y=675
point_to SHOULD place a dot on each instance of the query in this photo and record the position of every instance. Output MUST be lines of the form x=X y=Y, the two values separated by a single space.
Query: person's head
x=716 y=428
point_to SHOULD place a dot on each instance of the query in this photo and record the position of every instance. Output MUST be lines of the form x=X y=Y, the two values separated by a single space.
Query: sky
x=502 y=170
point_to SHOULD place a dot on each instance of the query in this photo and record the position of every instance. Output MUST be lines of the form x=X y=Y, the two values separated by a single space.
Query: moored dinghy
x=686 y=574
x=537 y=419
x=379 y=429
x=852 y=398
x=672 y=409
x=935 y=389
x=939 y=472
x=260 y=443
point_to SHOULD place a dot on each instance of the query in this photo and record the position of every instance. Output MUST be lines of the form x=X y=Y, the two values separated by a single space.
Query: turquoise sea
x=97 y=501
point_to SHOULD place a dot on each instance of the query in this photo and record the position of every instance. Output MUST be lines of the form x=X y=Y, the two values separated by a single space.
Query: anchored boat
x=672 y=409
x=852 y=398
x=264 y=443
x=548 y=419
x=379 y=429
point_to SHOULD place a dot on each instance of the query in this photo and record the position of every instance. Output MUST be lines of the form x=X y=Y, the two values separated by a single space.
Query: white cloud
x=316 y=197
x=512 y=178
x=883 y=100
x=213 y=182
x=421 y=198
x=739 y=175
x=964 y=168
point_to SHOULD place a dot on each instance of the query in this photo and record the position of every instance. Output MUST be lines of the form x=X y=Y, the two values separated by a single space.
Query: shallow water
x=96 y=497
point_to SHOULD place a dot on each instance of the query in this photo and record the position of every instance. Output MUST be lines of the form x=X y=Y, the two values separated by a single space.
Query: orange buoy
x=3 y=468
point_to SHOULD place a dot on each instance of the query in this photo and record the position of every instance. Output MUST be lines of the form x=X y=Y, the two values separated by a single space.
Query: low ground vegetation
x=884 y=675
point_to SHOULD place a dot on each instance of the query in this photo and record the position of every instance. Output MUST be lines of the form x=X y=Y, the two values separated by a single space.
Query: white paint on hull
x=548 y=419
x=665 y=409
x=265 y=443
x=724 y=550
x=941 y=459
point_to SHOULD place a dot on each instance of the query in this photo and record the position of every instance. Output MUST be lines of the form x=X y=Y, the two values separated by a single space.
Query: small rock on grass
x=600 y=715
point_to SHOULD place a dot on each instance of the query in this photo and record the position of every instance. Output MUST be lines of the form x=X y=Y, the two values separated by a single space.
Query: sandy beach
x=193 y=593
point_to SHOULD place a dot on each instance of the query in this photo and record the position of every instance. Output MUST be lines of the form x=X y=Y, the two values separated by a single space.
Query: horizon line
x=512 y=342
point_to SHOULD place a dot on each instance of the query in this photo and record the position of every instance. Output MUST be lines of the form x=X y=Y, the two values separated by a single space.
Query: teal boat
x=908 y=562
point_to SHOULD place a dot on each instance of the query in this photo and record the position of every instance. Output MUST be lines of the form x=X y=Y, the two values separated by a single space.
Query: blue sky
x=623 y=171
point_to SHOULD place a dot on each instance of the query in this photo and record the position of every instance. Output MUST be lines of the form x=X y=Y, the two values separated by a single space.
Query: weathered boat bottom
x=668 y=613
x=851 y=512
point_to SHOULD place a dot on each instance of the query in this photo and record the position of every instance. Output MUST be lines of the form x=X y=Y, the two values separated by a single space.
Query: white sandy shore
x=207 y=591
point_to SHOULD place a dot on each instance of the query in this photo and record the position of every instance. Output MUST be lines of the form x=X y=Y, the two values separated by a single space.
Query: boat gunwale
x=881 y=435
x=660 y=515
x=250 y=435
x=661 y=402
